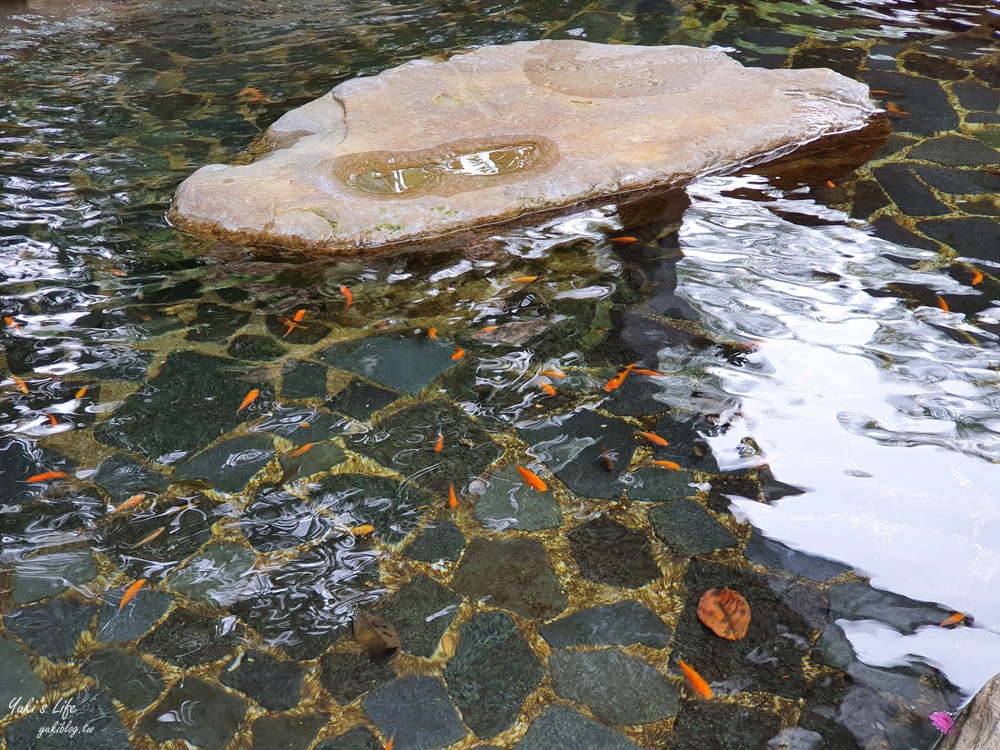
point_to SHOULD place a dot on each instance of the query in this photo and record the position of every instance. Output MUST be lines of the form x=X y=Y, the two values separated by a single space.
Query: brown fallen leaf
x=725 y=613
x=376 y=634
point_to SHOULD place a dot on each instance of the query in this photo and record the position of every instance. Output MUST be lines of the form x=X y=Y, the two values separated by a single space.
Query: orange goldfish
x=488 y=329
x=46 y=476
x=299 y=315
x=532 y=479
x=547 y=387
x=82 y=392
x=363 y=530
x=942 y=304
x=525 y=279
x=439 y=444
x=52 y=420
x=955 y=618
x=655 y=439
x=432 y=333
x=667 y=464
x=459 y=353
x=977 y=277
x=830 y=184
x=618 y=379
x=21 y=385
x=388 y=745
x=300 y=451
x=624 y=240
x=11 y=323
x=892 y=109
x=130 y=593
x=248 y=400
x=697 y=681
x=641 y=371
x=554 y=374
x=452 y=497
x=130 y=503
x=348 y=297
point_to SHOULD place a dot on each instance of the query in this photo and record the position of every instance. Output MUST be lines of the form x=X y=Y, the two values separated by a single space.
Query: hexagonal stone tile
x=492 y=672
x=359 y=400
x=90 y=708
x=559 y=728
x=504 y=501
x=196 y=712
x=618 y=688
x=421 y=611
x=619 y=624
x=404 y=363
x=348 y=675
x=769 y=658
x=20 y=460
x=294 y=732
x=148 y=542
x=687 y=527
x=228 y=466
x=254 y=347
x=133 y=620
x=574 y=447
x=358 y=738
x=733 y=726
x=188 y=639
x=393 y=508
x=303 y=380
x=126 y=677
x=408 y=445
x=612 y=554
x=658 y=485
x=218 y=574
x=40 y=577
x=274 y=684
x=515 y=574
x=278 y=520
x=416 y=711
x=19 y=680
x=773 y=554
x=216 y=322
x=191 y=401
x=53 y=628
x=121 y=477
x=439 y=540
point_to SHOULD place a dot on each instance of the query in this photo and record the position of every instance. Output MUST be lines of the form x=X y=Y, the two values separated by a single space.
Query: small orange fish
x=432 y=333
x=618 y=379
x=304 y=425
x=830 y=184
x=130 y=503
x=452 y=497
x=300 y=451
x=118 y=272
x=52 y=420
x=388 y=745
x=554 y=374
x=439 y=443
x=655 y=439
x=459 y=353
x=149 y=537
x=11 y=323
x=130 y=593
x=525 y=279
x=46 y=476
x=879 y=92
x=642 y=371
x=977 y=277
x=363 y=530
x=248 y=400
x=667 y=465
x=488 y=329
x=347 y=296
x=82 y=392
x=624 y=240
x=955 y=618
x=532 y=479
x=942 y=304
x=299 y=315
x=547 y=387
x=697 y=681
x=892 y=109
x=250 y=94
x=21 y=385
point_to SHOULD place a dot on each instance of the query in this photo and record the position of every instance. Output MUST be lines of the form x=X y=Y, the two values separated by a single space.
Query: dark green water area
x=527 y=619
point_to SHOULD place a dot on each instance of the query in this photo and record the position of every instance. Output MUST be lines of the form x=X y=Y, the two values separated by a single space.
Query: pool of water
x=270 y=444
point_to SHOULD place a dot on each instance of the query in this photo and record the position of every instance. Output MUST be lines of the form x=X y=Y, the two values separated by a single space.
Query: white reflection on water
x=886 y=422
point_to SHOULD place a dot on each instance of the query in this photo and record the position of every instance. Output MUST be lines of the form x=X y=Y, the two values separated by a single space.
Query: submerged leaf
x=725 y=613
x=376 y=634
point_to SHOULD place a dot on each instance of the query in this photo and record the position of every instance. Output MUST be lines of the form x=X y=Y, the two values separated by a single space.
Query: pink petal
x=943 y=721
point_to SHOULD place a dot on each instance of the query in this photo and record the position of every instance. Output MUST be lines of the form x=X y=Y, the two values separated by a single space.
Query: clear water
x=820 y=336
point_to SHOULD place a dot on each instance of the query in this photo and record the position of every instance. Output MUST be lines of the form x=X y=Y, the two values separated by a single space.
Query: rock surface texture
x=979 y=726
x=430 y=148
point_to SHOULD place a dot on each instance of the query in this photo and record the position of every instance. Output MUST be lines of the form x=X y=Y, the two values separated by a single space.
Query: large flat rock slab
x=430 y=148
